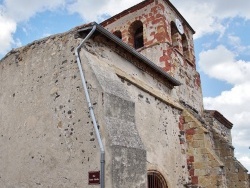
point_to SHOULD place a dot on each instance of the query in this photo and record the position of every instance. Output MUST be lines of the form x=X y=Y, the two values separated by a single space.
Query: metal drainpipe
x=102 y=160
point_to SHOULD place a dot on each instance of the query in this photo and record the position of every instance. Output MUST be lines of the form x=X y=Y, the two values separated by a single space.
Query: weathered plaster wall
x=160 y=49
x=47 y=139
x=125 y=151
x=47 y=136
x=160 y=133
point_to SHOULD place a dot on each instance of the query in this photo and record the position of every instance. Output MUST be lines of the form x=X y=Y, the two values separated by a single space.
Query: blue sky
x=222 y=45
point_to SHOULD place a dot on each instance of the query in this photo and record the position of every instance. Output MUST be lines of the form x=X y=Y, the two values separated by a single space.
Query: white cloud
x=221 y=63
x=234 y=40
x=234 y=104
x=95 y=10
x=236 y=43
x=12 y=12
x=23 y=10
x=206 y=16
x=46 y=35
x=244 y=159
x=7 y=28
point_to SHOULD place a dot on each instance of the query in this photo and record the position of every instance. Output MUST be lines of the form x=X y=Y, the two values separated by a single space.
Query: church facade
x=116 y=104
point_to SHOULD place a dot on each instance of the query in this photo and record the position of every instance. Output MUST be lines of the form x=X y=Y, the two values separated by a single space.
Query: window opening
x=156 y=180
x=138 y=38
x=185 y=47
x=135 y=37
x=118 y=34
x=175 y=36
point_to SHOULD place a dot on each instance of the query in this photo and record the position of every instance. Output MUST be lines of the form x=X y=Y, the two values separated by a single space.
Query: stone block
x=195 y=180
x=196 y=144
x=190 y=131
x=199 y=165
x=189 y=138
x=189 y=119
x=198 y=136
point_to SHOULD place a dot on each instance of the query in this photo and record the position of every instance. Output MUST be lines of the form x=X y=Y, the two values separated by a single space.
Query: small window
x=185 y=47
x=175 y=36
x=135 y=37
x=138 y=38
x=156 y=180
x=118 y=34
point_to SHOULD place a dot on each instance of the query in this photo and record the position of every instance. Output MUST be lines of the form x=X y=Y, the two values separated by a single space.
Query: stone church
x=116 y=105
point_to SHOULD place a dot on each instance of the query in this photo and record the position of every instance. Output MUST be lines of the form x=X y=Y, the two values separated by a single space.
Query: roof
x=100 y=30
x=217 y=115
x=139 y=6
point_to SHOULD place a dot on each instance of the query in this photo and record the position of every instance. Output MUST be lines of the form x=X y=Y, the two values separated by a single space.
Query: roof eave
x=217 y=115
x=131 y=50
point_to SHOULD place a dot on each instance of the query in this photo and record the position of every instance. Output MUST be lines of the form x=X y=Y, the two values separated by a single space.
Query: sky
x=222 y=46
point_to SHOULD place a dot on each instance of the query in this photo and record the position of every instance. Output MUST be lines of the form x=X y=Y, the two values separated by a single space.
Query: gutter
x=131 y=50
x=91 y=110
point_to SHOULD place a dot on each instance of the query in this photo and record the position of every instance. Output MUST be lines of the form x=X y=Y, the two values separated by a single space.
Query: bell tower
x=158 y=31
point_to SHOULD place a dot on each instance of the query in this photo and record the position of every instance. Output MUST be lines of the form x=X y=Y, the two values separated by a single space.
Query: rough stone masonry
x=147 y=99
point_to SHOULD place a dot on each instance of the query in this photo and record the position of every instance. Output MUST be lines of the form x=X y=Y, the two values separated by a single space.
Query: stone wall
x=219 y=124
x=235 y=173
x=47 y=139
x=205 y=167
x=156 y=115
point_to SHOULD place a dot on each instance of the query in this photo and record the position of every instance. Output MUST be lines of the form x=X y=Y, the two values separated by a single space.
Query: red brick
x=181 y=126
x=190 y=132
x=160 y=37
x=159 y=16
x=152 y=34
x=181 y=119
x=191 y=172
x=191 y=158
x=167 y=67
x=195 y=180
x=164 y=58
x=158 y=20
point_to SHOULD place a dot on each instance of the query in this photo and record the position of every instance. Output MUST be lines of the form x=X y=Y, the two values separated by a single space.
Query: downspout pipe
x=91 y=110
